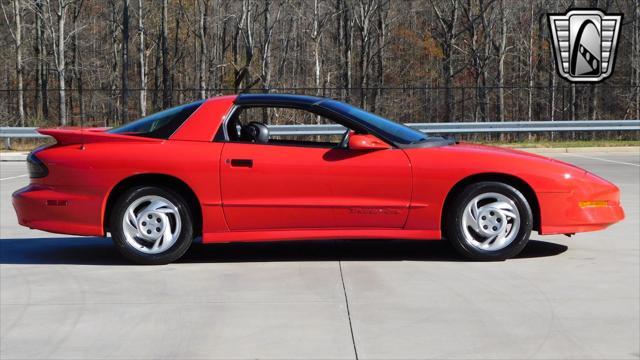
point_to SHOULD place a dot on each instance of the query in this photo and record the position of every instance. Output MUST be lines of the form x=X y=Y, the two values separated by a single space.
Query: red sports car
x=212 y=169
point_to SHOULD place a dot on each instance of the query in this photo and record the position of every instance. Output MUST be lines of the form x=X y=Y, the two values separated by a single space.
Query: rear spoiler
x=68 y=136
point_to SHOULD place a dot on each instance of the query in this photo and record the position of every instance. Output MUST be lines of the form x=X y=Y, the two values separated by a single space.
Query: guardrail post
x=7 y=143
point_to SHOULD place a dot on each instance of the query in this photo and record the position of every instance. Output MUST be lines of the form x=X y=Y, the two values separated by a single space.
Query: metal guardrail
x=476 y=127
x=8 y=133
x=19 y=132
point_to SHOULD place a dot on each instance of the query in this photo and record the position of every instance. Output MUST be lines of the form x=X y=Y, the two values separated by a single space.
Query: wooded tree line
x=111 y=61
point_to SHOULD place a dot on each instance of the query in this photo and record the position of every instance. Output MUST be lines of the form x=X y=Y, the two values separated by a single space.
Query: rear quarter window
x=160 y=125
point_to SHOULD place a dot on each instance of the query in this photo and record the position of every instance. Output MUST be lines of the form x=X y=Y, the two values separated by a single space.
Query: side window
x=243 y=119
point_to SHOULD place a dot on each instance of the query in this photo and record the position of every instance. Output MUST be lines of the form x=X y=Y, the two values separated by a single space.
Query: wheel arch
x=155 y=179
x=508 y=179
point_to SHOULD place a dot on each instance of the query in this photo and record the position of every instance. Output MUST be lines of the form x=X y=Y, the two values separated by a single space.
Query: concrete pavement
x=75 y=298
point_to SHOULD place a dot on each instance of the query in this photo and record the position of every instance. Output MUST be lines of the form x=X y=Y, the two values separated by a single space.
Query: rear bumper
x=58 y=210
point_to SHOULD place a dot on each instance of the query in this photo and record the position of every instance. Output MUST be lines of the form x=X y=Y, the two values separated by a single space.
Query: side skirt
x=319 y=234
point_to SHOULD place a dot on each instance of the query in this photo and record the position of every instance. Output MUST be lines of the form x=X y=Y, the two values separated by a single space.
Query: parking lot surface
x=65 y=297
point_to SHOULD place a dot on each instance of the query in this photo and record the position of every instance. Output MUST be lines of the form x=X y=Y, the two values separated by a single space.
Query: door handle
x=241 y=162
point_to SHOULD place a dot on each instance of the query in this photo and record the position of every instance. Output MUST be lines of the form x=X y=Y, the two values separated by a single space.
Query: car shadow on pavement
x=100 y=251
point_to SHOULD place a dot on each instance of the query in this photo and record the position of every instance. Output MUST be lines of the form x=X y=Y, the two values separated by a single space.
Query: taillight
x=37 y=169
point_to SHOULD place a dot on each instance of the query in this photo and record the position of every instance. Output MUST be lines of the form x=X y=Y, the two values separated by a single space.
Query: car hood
x=504 y=152
x=461 y=160
x=453 y=163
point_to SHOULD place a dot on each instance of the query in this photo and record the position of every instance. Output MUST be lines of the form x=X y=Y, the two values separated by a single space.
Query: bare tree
x=39 y=57
x=553 y=82
x=345 y=35
x=364 y=17
x=531 y=63
x=268 y=26
x=43 y=65
x=125 y=60
x=142 y=62
x=319 y=21
x=244 y=28
x=285 y=46
x=77 y=72
x=447 y=33
x=501 y=48
x=17 y=39
x=17 y=11
x=203 y=29
x=380 y=54
x=166 y=86
x=155 y=99
x=178 y=52
x=636 y=63
x=479 y=26
x=113 y=75
x=56 y=30
x=221 y=45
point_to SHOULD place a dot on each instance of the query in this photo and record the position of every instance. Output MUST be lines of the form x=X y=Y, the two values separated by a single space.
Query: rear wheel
x=489 y=221
x=151 y=225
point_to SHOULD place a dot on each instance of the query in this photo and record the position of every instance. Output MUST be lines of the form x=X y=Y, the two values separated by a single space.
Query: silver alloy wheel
x=151 y=224
x=490 y=221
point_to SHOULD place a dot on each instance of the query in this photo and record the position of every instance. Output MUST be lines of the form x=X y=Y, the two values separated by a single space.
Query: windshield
x=160 y=125
x=393 y=131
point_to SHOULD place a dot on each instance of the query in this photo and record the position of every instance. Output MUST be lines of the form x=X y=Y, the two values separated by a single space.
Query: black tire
x=453 y=221
x=175 y=251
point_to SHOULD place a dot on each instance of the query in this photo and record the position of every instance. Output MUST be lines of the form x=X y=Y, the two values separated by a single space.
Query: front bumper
x=58 y=210
x=562 y=213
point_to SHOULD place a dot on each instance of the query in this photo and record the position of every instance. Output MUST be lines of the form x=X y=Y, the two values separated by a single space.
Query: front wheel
x=151 y=225
x=489 y=221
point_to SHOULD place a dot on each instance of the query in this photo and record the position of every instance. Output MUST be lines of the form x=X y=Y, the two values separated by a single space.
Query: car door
x=286 y=184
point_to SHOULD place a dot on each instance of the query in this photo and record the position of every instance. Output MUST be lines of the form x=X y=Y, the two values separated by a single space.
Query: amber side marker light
x=595 y=203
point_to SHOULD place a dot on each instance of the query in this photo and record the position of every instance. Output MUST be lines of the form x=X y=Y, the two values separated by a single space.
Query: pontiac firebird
x=196 y=170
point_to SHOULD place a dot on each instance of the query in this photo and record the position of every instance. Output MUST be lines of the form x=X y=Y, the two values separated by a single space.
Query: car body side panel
x=95 y=169
x=83 y=174
x=289 y=187
x=558 y=186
